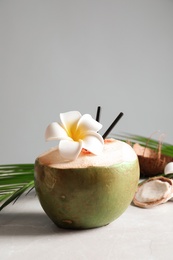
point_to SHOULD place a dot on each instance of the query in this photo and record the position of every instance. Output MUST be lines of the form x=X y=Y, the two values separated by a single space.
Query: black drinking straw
x=98 y=114
x=112 y=125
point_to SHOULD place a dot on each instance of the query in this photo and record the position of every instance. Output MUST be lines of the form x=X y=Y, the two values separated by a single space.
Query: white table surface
x=27 y=233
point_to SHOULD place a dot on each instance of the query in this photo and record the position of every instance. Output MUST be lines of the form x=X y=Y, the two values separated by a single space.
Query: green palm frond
x=166 y=148
x=15 y=179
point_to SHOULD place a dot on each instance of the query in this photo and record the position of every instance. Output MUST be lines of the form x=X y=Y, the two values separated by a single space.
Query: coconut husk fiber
x=151 y=162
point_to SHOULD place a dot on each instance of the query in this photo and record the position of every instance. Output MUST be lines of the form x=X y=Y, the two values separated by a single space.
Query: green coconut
x=91 y=191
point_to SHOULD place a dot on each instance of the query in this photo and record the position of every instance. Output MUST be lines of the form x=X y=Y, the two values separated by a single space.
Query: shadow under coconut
x=31 y=224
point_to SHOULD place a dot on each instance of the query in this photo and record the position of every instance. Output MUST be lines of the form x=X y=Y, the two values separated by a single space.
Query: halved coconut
x=151 y=162
x=90 y=191
x=153 y=192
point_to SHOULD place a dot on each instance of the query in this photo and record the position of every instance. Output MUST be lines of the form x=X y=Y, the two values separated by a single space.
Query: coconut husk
x=152 y=162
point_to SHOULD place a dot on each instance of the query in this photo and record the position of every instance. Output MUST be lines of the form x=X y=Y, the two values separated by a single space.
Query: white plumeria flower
x=76 y=132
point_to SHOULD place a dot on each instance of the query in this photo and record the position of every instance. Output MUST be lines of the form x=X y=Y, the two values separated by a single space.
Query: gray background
x=57 y=56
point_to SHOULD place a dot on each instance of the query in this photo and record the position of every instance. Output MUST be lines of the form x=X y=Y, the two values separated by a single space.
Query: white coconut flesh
x=114 y=152
x=168 y=168
x=153 y=192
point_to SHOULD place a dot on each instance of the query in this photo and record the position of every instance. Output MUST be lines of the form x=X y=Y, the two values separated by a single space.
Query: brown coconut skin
x=150 y=167
x=88 y=197
x=151 y=163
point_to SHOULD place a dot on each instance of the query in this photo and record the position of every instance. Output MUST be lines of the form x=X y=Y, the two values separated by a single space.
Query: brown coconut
x=151 y=162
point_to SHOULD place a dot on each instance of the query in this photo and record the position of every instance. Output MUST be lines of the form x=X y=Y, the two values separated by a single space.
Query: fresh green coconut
x=90 y=191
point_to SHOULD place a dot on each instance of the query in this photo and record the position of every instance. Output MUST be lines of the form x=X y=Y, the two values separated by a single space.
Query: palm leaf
x=166 y=148
x=15 y=179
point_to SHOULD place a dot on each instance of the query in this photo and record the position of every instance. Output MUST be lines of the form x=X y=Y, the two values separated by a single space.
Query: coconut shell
x=166 y=195
x=151 y=162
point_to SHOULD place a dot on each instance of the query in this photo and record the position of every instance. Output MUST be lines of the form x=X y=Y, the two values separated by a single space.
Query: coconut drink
x=87 y=181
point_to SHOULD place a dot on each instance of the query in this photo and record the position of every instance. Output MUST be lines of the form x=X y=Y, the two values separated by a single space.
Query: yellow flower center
x=76 y=135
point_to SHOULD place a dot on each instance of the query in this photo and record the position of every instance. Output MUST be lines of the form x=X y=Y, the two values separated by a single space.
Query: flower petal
x=93 y=142
x=87 y=123
x=55 y=132
x=70 y=119
x=70 y=149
